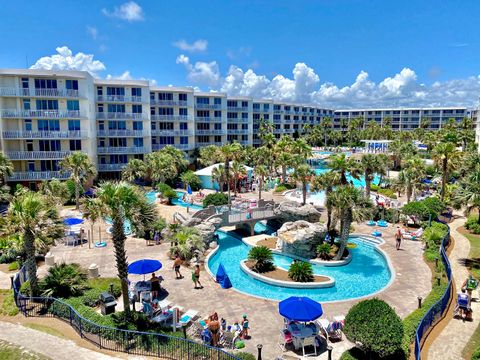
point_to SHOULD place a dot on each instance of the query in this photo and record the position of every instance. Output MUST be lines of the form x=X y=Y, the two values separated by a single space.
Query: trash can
x=93 y=271
x=107 y=303
x=49 y=259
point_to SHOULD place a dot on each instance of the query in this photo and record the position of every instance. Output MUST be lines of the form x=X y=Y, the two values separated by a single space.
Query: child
x=245 y=327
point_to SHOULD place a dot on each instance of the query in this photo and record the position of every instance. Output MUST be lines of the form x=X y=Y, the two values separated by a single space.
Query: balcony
x=210 y=132
x=237 y=108
x=208 y=106
x=119 y=99
x=36 y=155
x=237 y=120
x=172 y=132
x=121 y=116
x=237 y=131
x=184 y=147
x=111 y=167
x=122 y=150
x=46 y=93
x=168 y=102
x=38 y=175
x=208 y=119
x=169 y=117
x=123 y=133
x=202 y=144
x=277 y=121
x=49 y=114
x=66 y=134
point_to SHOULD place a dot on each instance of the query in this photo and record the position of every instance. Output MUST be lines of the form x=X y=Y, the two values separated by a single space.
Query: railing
x=208 y=106
x=39 y=92
x=237 y=131
x=38 y=175
x=210 y=132
x=135 y=133
x=113 y=339
x=208 y=119
x=61 y=134
x=436 y=312
x=119 y=98
x=172 y=132
x=33 y=155
x=120 y=115
x=156 y=147
x=169 y=117
x=237 y=108
x=121 y=150
x=111 y=167
x=168 y=102
x=237 y=120
x=50 y=114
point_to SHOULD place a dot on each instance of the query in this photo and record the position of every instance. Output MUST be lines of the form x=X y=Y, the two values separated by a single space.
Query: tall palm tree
x=447 y=158
x=326 y=182
x=160 y=166
x=466 y=131
x=186 y=240
x=228 y=153
x=341 y=165
x=326 y=124
x=301 y=148
x=92 y=211
x=302 y=174
x=6 y=168
x=56 y=191
x=219 y=175
x=122 y=201
x=352 y=130
x=31 y=215
x=372 y=164
x=467 y=194
x=284 y=160
x=261 y=171
x=209 y=155
x=81 y=169
x=401 y=149
x=410 y=177
x=179 y=158
x=350 y=204
x=238 y=170
x=135 y=169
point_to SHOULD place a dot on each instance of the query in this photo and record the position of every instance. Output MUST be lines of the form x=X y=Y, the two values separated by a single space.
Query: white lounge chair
x=412 y=235
x=186 y=318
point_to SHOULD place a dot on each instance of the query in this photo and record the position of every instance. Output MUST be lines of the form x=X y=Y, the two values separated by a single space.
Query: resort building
x=45 y=115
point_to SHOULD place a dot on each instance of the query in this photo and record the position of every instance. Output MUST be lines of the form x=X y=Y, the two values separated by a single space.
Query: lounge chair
x=186 y=318
x=412 y=235
x=371 y=223
x=333 y=329
x=226 y=340
x=382 y=223
x=376 y=233
x=285 y=338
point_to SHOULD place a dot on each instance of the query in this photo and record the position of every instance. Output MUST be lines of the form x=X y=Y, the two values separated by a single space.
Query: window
x=99 y=90
x=100 y=108
x=217 y=101
x=117 y=142
x=203 y=126
x=45 y=84
x=116 y=108
x=183 y=126
x=217 y=138
x=165 y=126
x=49 y=165
x=182 y=97
x=25 y=83
x=165 y=111
x=49 y=145
x=48 y=125
x=183 y=111
x=231 y=103
x=232 y=126
x=217 y=114
x=165 y=96
x=75 y=145
x=73 y=125
x=73 y=105
x=31 y=166
x=115 y=91
x=137 y=125
x=26 y=104
x=244 y=115
x=137 y=92
x=28 y=125
x=266 y=116
x=138 y=142
x=166 y=140
x=47 y=104
x=244 y=104
x=244 y=126
x=153 y=126
x=184 y=140
x=137 y=109
x=152 y=96
x=101 y=125
x=71 y=84
x=266 y=107
x=203 y=139
x=244 y=137
x=232 y=115
x=117 y=125
x=256 y=106
x=203 y=100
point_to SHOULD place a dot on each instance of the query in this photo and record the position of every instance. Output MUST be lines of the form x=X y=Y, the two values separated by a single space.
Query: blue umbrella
x=189 y=189
x=72 y=221
x=144 y=266
x=300 y=309
x=222 y=278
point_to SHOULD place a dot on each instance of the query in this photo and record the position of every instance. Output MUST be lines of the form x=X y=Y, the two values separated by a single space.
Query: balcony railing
x=12 y=91
x=124 y=133
x=210 y=132
x=172 y=132
x=156 y=147
x=202 y=144
x=65 y=134
x=38 y=175
x=50 y=114
x=237 y=120
x=237 y=108
x=120 y=115
x=168 y=102
x=169 y=117
x=111 y=167
x=237 y=131
x=208 y=106
x=208 y=119
x=36 y=155
x=119 y=98
x=122 y=150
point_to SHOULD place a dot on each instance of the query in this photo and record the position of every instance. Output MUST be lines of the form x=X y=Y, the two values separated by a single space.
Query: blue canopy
x=72 y=221
x=144 y=266
x=426 y=181
x=189 y=189
x=300 y=309
x=222 y=278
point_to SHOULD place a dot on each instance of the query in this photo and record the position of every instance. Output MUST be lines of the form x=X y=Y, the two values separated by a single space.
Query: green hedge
x=216 y=199
x=476 y=354
x=472 y=224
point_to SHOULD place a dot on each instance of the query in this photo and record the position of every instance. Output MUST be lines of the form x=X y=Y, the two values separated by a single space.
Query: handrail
x=438 y=309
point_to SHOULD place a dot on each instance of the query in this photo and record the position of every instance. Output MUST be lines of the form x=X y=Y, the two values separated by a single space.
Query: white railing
x=111 y=167
x=119 y=98
x=237 y=131
x=202 y=144
x=210 y=132
x=34 y=155
x=120 y=133
x=38 y=175
x=172 y=132
x=4 y=91
x=168 y=102
x=208 y=119
x=238 y=109
x=244 y=142
x=65 y=134
x=50 y=114
x=169 y=117
x=237 y=120
x=208 y=106
x=121 y=150
x=156 y=147
x=120 y=115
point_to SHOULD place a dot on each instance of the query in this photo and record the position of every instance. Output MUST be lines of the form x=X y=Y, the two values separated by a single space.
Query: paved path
x=451 y=341
x=45 y=344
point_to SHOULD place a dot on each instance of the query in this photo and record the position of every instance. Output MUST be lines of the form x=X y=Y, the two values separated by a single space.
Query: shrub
x=280 y=188
x=263 y=258
x=170 y=194
x=192 y=179
x=216 y=199
x=424 y=209
x=374 y=187
x=64 y=280
x=13 y=266
x=471 y=224
x=162 y=187
x=388 y=193
x=376 y=326
x=8 y=256
x=301 y=271
x=353 y=354
x=476 y=354
x=245 y=356
x=25 y=288
x=434 y=235
x=323 y=251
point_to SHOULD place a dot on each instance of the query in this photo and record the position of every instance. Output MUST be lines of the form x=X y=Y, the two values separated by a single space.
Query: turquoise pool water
x=152 y=196
x=127 y=227
x=368 y=272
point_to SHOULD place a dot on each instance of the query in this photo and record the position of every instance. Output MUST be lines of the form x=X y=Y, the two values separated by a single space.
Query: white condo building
x=45 y=115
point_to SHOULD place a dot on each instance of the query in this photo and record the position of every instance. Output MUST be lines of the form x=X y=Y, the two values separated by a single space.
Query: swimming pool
x=127 y=227
x=152 y=196
x=367 y=273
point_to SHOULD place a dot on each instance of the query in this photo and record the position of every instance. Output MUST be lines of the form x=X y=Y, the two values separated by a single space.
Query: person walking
x=398 y=238
x=176 y=266
x=196 y=277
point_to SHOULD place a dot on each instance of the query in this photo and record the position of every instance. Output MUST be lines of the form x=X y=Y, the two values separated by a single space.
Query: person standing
x=196 y=277
x=398 y=238
x=245 y=327
x=176 y=266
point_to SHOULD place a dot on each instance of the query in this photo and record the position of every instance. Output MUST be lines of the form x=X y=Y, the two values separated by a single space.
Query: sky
x=335 y=53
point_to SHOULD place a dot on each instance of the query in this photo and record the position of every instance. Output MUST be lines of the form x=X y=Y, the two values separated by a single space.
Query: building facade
x=45 y=115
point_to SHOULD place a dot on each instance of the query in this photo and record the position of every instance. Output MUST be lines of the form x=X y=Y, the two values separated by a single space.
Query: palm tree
x=350 y=204
x=466 y=132
x=161 y=166
x=179 y=158
x=92 y=211
x=31 y=215
x=56 y=192
x=352 y=129
x=301 y=148
x=135 y=169
x=326 y=182
x=326 y=124
x=229 y=152
x=122 y=201
x=447 y=158
x=302 y=174
x=209 y=155
x=341 y=164
x=187 y=240
x=284 y=160
x=81 y=169
x=467 y=194
x=6 y=168
x=411 y=175
x=372 y=164
x=219 y=175
x=401 y=148
x=261 y=172
x=238 y=170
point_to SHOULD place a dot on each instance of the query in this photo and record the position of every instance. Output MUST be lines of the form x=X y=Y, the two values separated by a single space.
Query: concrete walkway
x=451 y=341
x=45 y=344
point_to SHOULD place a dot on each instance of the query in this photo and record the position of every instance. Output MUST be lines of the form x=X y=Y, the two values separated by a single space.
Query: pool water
x=368 y=272
x=127 y=227
x=152 y=196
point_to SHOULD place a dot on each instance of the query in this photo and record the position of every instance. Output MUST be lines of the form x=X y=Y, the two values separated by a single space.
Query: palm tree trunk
x=409 y=192
x=325 y=137
x=284 y=173
x=29 y=243
x=235 y=185
x=368 y=184
x=345 y=230
x=444 y=177
x=227 y=175
x=304 y=193
x=77 y=196
x=118 y=236
x=260 y=185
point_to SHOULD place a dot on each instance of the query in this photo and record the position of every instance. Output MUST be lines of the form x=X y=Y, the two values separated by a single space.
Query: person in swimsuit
x=155 y=285
x=245 y=327
x=196 y=277
x=176 y=266
x=398 y=238
x=214 y=327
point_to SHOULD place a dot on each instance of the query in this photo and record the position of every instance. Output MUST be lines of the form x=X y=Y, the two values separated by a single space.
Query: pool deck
x=412 y=279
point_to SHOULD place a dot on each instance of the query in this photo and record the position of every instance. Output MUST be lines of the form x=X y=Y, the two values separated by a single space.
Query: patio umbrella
x=189 y=189
x=300 y=309
x=72 y=221
x=144 y=266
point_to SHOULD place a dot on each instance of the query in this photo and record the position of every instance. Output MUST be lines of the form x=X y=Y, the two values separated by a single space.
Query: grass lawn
x=45 y=329
x=7 y=304
x=10 y=351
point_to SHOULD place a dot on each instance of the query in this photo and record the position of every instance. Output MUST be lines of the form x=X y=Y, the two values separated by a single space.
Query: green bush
x=25 y=288
x=64 y=280
x=374 y=187
x=262 y=257
x=162 y=187
x=476 y=354
x=353 y=354
x=471 y=224
x=281 y=188
x=323 y=251
x=434 y=235
x=301 y=271
x=170 y=194
x=8 y=256
x=192 y=179
x=245 y=356
x=376 y=325
x=13 y=266
x=424 y=209
x=216 y=199
x=388 y=193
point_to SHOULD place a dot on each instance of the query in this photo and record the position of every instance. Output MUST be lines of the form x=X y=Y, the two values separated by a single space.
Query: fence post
x=80 y=326
x=69 y=308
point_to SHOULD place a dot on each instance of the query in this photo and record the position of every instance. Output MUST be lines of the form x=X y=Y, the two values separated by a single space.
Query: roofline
x=172 y=88
x=143 y=83
x=43 y=72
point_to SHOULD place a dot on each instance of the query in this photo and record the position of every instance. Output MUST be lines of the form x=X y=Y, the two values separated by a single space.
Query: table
x=300 y=332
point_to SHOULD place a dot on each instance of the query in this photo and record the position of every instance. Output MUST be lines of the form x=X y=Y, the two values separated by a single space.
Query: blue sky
x=334 y=52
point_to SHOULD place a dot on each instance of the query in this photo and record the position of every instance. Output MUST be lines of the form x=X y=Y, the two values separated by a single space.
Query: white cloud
x=129 y=11
x=124 y=76
x=196 y=46
x=92 y=31
x=201 y=72
x=64 y=59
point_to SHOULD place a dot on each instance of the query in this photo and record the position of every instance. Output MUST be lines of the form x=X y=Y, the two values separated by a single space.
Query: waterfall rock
x=300 y=238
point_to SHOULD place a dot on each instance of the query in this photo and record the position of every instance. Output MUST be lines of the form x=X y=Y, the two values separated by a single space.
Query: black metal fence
x=435 y=313
x=131 y=342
